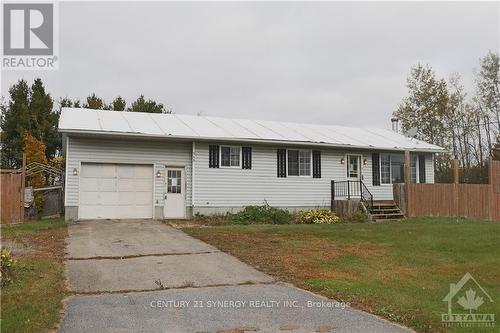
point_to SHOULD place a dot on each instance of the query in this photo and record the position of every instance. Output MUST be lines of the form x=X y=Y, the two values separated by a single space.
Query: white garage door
x=116 y=191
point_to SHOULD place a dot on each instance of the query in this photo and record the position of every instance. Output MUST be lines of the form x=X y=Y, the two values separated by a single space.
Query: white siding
x=155 y=152
x=233 y=187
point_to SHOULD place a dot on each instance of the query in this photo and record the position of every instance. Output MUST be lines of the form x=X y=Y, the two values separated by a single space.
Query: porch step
x=385 y=211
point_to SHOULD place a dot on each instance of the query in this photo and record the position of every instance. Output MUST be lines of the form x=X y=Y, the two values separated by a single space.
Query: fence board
x=480 y=201
x=11 y=197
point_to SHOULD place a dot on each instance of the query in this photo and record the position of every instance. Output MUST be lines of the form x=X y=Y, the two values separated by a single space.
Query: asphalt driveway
x=144 y=276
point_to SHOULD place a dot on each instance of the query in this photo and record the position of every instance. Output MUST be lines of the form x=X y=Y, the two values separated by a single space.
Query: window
x=299 y=162
x=230 y=156
x=392 y=168
x=385 y=168
x=414 y=169
x=174 y=179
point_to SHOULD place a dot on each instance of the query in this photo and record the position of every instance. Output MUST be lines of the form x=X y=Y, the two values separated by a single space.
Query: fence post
x=407 y=179
x=23 y=184
x=332 y=195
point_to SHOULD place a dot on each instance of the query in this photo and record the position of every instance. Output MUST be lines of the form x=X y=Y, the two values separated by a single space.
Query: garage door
x=116 y=191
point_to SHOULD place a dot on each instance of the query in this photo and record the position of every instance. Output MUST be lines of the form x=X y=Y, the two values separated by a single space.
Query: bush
x=318 y=216
x=7 y=266
x=262 y=214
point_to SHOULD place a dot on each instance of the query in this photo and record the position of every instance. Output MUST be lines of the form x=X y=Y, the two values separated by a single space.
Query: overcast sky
x=333 y=63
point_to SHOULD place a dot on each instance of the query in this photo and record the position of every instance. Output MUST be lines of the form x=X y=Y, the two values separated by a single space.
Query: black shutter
x=213 y=156
x=376 y=169
x=246 y=153
x=281 y=160
x=316 y=164
x=421 y=168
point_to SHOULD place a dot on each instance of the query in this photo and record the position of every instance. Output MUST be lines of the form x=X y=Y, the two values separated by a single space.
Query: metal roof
x=76 y=120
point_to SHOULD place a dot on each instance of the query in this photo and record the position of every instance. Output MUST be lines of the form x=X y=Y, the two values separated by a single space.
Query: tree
x=118 y=104
x=29 y=110
x=35 y=151
x=15 y=121
x=487 y=100
x=94 y=102
x=426 y=111
x=44 y=119
x=150 y=106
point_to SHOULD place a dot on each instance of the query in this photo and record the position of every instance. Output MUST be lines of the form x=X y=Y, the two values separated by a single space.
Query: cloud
x=329 y=62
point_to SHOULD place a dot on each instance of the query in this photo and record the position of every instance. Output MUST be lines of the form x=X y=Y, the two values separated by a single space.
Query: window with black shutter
x=281 y=162
x=213 y=156
x=316 y=164
x=246 y=153
x=421 y=168
x=376 y=169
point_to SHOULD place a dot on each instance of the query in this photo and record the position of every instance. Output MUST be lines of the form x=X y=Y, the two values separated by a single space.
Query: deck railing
x=351 y=189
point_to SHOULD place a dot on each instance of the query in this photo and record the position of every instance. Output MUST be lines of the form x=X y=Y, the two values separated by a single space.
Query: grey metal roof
x=76 y=120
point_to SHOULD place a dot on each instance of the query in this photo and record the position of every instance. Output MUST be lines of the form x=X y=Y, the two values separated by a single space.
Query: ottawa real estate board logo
x=30 y=35
x=465 y=298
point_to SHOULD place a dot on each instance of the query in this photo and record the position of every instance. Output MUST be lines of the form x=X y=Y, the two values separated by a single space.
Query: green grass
x=398 y=270
x=33 y=226
x=33 y=301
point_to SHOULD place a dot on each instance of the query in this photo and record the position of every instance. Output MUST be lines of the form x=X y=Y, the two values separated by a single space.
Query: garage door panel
x=98 y=170
x=127 y=185
x=143 y=172
x=89 y=198
x=116 y=191
x=134 y=212
x=143 y=185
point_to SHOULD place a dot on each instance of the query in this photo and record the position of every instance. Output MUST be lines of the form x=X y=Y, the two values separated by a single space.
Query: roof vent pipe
x=395 y=124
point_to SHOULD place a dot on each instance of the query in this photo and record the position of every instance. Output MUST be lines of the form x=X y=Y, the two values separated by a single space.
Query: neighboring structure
x=139 y=165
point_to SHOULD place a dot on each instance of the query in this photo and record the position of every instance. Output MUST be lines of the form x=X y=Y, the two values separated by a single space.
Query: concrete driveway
x=144 y=276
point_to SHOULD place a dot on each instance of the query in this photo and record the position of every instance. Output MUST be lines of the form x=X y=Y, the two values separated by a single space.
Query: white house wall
x=220 y=189
x=154 y=152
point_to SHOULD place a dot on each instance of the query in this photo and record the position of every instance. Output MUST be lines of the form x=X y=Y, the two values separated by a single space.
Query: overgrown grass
x=33 y=301
x=398 y=270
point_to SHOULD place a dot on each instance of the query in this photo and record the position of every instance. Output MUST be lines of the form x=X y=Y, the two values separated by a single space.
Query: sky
x=327 y=62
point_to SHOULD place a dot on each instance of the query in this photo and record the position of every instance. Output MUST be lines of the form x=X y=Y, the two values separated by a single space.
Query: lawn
x=33 y=301
x=397 y=270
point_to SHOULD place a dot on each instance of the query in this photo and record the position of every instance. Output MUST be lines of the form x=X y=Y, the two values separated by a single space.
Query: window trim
x=390 y=169
x=229 y=166
x=310 y=163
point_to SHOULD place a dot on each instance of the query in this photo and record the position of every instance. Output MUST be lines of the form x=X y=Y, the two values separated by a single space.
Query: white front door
x=354 y=174
x=175 y=206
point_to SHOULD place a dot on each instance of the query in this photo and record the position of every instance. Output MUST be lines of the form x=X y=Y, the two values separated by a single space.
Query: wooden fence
x=480 y=201
x=11 y=196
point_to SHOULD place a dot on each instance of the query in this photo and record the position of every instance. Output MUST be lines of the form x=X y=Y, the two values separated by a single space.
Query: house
x=140 y=165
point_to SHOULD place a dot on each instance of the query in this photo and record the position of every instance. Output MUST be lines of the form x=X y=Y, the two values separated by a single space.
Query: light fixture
x=75 y=172
x=342 y=161
x=158 y=174
x=365 y=161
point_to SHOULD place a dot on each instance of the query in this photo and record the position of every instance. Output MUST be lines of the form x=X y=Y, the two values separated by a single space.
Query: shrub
x=262 y=214
x=7 y=266
x=318 y=216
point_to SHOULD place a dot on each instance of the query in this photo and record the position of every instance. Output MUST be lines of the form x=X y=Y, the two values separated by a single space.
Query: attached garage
x=115 y=191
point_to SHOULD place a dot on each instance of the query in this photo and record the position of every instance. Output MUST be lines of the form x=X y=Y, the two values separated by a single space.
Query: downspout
x=193 y=167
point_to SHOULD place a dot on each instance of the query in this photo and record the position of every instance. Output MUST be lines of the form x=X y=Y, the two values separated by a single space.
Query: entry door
x=354 y=174
x=175 y=198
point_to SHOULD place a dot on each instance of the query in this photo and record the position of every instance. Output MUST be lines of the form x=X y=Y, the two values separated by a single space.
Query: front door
x=354 y=174
x=175 y=198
